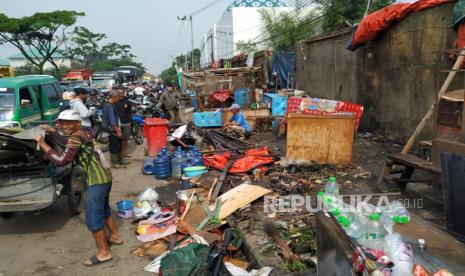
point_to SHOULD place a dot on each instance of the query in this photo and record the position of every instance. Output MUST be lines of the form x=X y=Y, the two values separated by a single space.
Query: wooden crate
x=250 y=115
x=325 y=139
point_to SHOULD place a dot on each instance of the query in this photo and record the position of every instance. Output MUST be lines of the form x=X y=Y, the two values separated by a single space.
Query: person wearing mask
x=124 y=108
x=238 y=125
x=183 y=136
x=111 y=124
x=169 y=100
x=82 y=149
x=77 y=104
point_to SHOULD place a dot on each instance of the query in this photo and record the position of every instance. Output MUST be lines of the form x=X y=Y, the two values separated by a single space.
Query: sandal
x=94 y=261
x=112 y=242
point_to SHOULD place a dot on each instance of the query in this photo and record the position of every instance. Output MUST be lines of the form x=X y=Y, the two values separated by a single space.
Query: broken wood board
x=206 y=180
x=325 y=139
x=239 y=197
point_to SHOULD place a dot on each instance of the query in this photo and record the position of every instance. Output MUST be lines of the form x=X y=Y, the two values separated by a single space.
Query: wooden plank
x=445 y=146
x=239 y=197
x=217 y=190
x=441 y=93
x=414 y=162
x=323 y=139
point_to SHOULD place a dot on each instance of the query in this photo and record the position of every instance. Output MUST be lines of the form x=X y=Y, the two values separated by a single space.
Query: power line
x=206 y=7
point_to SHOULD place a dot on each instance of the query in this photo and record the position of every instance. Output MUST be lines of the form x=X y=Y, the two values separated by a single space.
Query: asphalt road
x=52 y=243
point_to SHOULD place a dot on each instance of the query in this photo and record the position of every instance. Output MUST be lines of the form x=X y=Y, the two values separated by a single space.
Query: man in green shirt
x=170 y=100
x=82 y=149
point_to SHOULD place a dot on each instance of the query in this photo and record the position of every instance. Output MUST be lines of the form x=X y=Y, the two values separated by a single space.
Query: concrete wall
x=396 y=76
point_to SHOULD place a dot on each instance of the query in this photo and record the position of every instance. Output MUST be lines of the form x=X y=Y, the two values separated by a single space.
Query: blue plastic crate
x=208 y=119
x=278 y=104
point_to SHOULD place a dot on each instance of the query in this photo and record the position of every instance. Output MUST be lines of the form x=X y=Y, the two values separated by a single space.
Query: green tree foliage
x=185 y=61
x=284 y=29
x=110 y=64
x=86 y=45
x=30 y=69
x=337 y=12
x=38 y=36
x=169 y=75
x=246 y=47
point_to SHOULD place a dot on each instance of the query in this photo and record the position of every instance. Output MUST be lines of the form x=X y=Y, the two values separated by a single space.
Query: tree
x=284 y=29
x=38 y=36
x=338 y=12
x=169 y=75
x=110 y=64
x=246 y=48
x=86 y=45
x=27 y=69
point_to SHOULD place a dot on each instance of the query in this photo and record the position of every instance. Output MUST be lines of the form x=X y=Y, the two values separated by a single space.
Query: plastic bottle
x=332 y=189
x=400 y=214
x=352 y=227
x=375 y=232
x=400 y=253
x=177 y=163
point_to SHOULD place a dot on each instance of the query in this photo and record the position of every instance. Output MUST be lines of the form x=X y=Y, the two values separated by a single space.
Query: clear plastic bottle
x=400 y=253
x=399 y=213
x=375 y=232
x=332 y=189
x=352 y=227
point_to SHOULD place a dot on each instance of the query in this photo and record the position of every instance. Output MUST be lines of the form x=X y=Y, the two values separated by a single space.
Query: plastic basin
x=194 y=171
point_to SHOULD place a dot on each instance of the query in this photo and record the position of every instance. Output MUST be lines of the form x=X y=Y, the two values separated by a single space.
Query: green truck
x=27 y=100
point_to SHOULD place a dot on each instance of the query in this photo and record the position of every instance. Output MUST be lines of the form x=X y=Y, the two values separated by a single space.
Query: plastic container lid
x=194 y=169
x=332 y=179
x=320 y=194
x=374 y=216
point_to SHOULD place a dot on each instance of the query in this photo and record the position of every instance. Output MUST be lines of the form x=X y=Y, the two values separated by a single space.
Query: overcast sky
x=149 y=26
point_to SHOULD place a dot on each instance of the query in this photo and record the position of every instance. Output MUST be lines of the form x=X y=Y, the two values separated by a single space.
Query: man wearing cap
x=238 y=125
x=77 y=104
x=81 y=147
x=169 y=100
x=112 y=124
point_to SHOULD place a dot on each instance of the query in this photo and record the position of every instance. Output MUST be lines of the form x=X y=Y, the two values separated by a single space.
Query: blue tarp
x=283 y=64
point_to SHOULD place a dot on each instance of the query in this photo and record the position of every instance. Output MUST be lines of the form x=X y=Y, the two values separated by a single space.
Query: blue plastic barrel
x=147 y=166
x=241 y=97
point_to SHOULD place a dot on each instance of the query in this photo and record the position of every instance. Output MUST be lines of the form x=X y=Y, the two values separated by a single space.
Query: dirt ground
x=52 y=243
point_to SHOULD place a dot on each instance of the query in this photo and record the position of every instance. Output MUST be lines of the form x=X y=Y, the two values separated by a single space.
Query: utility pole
x=184 y=18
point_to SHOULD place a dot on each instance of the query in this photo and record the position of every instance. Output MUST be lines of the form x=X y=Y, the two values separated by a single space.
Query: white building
x=240 y=22
x=18 y=60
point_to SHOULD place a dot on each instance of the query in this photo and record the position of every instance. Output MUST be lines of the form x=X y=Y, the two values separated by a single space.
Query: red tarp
x=383 y=18
x=252 y=159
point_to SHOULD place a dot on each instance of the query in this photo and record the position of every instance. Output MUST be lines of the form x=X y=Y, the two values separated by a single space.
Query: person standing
x=124 y=109
x=112 y=125
x=238 y=125
x=82 y=149
x=170 y=100
x=77 y=104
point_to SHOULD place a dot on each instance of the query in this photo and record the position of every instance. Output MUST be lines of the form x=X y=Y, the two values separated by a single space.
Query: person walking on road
x=111 y=124
x=77 y=104
x=169 y=100
x=124 y=108
x=238 y=125
x=82 y=149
